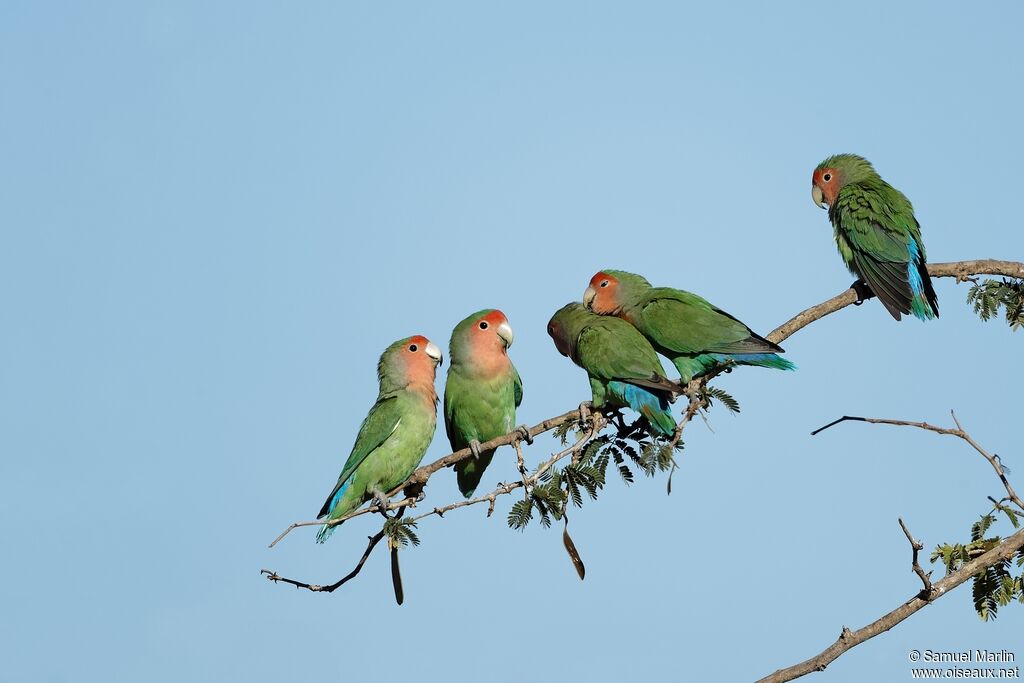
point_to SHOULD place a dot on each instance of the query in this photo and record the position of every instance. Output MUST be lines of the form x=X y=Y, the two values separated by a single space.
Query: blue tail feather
x=326 y=531
x=920 y=305
x=655 y=408
x=763 y=360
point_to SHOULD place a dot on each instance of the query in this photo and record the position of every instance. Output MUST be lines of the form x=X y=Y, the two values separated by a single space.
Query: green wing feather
x=874 y=226
x=612 y=349
x=682 y=322
x=380 y=423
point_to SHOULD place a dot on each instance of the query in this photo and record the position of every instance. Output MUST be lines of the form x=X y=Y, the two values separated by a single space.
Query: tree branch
x=959 y=432
x=961 y=270
x=932 y=591
x=849 y=639
x=316 y=588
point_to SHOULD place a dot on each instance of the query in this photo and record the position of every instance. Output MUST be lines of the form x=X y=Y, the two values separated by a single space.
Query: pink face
x=602 y=296
x=420 y=358
x=490 y=333
x=825 y=186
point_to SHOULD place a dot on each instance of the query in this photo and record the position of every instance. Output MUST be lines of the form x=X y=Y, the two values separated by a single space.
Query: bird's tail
x=325 y=532
x=655 y=408
x=328 y=509
x=761 y=360
x=925 y=303
x=469 y=472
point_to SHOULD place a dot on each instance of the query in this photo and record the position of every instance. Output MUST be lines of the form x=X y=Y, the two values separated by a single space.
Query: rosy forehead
x=601 y=277
x=818 y=173
x=495 y=317
x=419 y=340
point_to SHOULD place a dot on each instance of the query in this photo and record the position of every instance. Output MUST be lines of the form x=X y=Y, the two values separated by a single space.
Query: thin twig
x=958 y=432
x=916 y=546
x=316 y=588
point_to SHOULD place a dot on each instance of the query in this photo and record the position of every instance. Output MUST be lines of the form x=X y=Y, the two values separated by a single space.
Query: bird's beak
x=435 y=353
x=588 y=297
x=818 y=197
x=505 y=332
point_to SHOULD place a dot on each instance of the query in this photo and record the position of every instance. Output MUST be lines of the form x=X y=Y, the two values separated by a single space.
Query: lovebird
x=623 y=368
x=482 y=391
x=396 y=432
x=877 y=234
x=681 y=326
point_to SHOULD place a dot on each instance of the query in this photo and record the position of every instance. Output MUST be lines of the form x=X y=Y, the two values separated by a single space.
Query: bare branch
x=961 y=270
x=958 y=432
x=316 y=588
x=916 y=546
x=850 y=639
x=932 y=591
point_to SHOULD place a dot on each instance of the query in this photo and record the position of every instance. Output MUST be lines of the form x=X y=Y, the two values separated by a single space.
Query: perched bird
x=396 y=432
x=877 y=234
x=681 y=326
x=623 y=368
x=482 y=392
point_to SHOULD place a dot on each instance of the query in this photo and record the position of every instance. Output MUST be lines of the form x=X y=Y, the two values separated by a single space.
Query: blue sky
x=215 y=217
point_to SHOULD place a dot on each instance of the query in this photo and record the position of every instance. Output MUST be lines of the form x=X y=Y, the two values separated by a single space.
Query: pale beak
x=505 y=332
x=588 y=297
x=818 y=198
x=434 y=353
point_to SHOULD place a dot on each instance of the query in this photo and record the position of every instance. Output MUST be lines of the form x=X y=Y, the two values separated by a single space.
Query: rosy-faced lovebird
x=624 y=370
x=877 y=234
x=395 y=434
x=482 y=392
x=681 y=326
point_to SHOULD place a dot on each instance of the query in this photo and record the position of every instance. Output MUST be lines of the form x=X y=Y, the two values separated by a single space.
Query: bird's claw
x=585 y=409
x=524 y=434
x=380 y=499
x=863 y=292
x=474 y=446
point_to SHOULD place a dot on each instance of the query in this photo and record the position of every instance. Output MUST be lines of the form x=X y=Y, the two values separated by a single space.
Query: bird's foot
x=585 y=409
x=474 y=446
x=380 y=499
x=524 y=434
x=863 y=292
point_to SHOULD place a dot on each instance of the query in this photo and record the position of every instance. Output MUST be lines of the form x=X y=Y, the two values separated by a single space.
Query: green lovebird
x=623 y=368
x=482 y=392
x=877 y=234
x=683 y=327
x=395 y=434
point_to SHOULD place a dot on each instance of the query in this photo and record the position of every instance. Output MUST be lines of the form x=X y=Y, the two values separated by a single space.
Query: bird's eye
x=483 y=324
x=604 y=283
x=413 y=348
x=827 y=177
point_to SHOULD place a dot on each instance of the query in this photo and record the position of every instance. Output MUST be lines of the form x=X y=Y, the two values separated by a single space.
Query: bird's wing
x=381 y=422
x=686 y=323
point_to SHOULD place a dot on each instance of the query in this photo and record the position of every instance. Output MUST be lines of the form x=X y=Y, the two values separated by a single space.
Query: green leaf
x=987 y=297
x=720 y=394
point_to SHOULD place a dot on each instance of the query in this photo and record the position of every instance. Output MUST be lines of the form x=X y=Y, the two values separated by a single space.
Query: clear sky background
x=215 y=217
